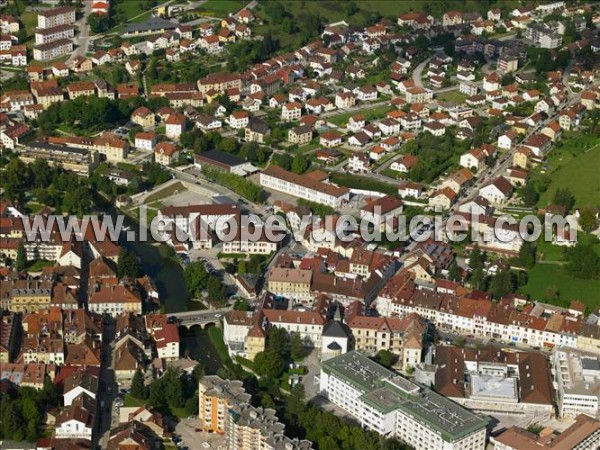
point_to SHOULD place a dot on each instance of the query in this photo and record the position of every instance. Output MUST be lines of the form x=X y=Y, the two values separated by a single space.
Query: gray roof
x=335 y=329
x=154 y=24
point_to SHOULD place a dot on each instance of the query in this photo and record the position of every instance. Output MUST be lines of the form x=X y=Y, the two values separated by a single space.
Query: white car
x=205 y=445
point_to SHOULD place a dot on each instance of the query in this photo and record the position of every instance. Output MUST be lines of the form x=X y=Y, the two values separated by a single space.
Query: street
x=82 y=39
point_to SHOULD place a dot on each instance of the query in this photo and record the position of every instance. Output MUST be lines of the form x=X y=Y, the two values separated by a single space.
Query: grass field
x=452 y=96
x=221 y=8
x=164 y=193
x=544 y=276
x=358 y=182
x=575 y=165
x=377 y=112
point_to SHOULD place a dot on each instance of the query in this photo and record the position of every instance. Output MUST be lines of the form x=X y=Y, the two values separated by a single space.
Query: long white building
x=395 y=407
x=311 y=186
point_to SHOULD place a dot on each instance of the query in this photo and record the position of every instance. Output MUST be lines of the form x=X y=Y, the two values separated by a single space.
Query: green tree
x=195 y=277
x=269 y=364
x=138 y=390
x=530 y=195
x=278 y=341
x=587 y=219
x=297 y=348
x=128 y=265
x=583 y=262
x=564 y=197
x=527 y=254
x=241 y=304
x=299 y=164
x=216 y=289
x=21 y=260
x=454 y=271
x=385 y=358
x=501 y=283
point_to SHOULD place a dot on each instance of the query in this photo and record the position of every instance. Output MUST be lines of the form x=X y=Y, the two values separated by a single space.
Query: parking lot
x=198 y=440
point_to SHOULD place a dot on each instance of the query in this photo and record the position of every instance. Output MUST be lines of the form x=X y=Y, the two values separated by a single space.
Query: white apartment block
x=391 y=405
x=304 y=186
x=45 y=35
x=55 y=17
x=52 y=50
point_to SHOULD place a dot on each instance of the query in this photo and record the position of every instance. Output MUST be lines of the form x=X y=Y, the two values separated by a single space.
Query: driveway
x=82 y=40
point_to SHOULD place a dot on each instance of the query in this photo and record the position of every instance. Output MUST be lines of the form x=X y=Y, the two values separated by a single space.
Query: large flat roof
x=386 y=391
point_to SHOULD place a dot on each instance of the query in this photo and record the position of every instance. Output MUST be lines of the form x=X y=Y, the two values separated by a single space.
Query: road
x=82 y=40
x=205 y=315
x=506 y=159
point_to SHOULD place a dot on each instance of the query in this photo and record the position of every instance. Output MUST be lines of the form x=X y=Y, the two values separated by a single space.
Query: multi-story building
x=310 y=186
x=584 y=434
x=216 y=397
x=115 y=300
x=293 y=284
x=26 y=295
x=577 y=378
x=80 y=161
x=54 y=17
x=45 y=35
x=392 y=405
x=52 y=50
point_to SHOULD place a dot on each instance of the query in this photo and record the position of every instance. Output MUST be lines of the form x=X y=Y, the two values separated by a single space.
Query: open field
x=544 y=276
x=221 y=8
x=575 y=165
x=377 y=112
x=164 y=193
x=452 y=96
x=358 y=182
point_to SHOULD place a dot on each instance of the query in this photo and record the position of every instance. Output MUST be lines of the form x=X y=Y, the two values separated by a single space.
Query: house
x=418 y=95
x=538 y=143
x=434 y=127
x=443 y=198
x=478 y=206
x=356 y=123
x=175 y=125
x=389 y=126
x=256 y=131
x=239 y=119
x=522 y=157
x=507 y=140
x=165 y=153
x=491 y=82
x=60 y=70
x=497 y=191
x=358 y=163
x=11 y=135
x=553 y=131
x=300 y=135
x=404 y=163
x=382 y=209
x=207 y=123
x=146 y=140
x=144 y=117
x=476 y=157
x=291 y=111
x=366 y=93
x=330 y=139
x=360 y=139
x=345 y=100
x=409 y=189
x=459 y=180
x=81 y=89
x=167 y=342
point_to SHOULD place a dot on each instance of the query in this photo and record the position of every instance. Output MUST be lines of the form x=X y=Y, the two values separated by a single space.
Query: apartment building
x=577 y=378
x=257 y=245
x=80 y=161
x=54 y=17
x=45 y=35
x=52 y=50
x=115 y=300
x=309 y=186
x=216 y=396
x=393 y=406
x=293 y=284
x=26 y=295
x=584 y=434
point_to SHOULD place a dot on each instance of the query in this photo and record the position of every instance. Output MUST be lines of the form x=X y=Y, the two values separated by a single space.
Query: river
x=197 y=345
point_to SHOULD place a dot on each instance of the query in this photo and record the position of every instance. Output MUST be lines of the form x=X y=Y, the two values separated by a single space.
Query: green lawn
x=358 y=182
x=39 y=264
x=216 y=336
x=452 y=96
x=29 y=19
x=575 y=165
x=130 y=401
x=544 y=276
x=164 y=193
x=221 y=8
x=375 y=113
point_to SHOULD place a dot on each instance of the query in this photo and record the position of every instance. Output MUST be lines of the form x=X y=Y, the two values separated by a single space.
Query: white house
x=497 y=191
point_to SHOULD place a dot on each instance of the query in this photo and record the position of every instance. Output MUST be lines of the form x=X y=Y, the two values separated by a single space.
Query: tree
x=241 y=304
x=99 y=22
x=501 y=283
x=21 y=260
x=138 y=390
x=587 y=219
x=299 y=164
x=297 y=347
x=128 y=265
x=530 y=195
x=216 y=289
x=564 y=197
x=583 y=262
x=385 y=358
x=195 y=277
x=454 y=271
x=527 y=254
x=278 y=341
x=269 y=364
